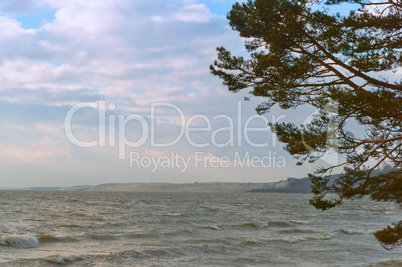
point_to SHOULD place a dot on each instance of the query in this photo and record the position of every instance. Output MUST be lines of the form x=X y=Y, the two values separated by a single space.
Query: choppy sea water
x=189 y=229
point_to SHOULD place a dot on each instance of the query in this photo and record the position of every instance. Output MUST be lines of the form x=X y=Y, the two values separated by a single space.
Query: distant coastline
x=290 y=185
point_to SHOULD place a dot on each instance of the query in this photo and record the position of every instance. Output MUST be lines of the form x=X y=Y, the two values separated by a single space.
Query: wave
x=289 y=239
x=213 y=227
x=53 y=259
x=70 y=225
x=265 y=224
x=251 y=241
x=63 y=259
x=251 y=224
x=48 y=238
x=299 y=221
x=131 y=254
x=294 y=230
x=279 y=223
x=322 y=236
x=256 y=224
x=386 y=210
x=20 y=241
x=317 y=236
x=356 y=231
x=29 y=241
x=102 y=236
x=395 y=262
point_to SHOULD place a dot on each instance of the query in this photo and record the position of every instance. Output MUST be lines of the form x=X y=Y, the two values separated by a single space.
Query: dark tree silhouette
x=344 y=65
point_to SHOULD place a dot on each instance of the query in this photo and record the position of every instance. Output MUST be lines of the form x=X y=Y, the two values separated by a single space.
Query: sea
x=53 y=228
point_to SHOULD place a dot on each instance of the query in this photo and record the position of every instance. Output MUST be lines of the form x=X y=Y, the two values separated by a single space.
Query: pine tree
x=301 y=53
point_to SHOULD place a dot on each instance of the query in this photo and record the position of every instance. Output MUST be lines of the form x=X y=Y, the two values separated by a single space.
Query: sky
x=120 y=91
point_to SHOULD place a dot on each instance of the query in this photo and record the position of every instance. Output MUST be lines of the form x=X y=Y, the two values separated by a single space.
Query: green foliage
x=390 y=236
x=300 y=54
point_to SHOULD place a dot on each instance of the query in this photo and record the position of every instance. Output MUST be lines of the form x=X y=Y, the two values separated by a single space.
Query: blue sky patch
x=37 y=20
x=219 y=7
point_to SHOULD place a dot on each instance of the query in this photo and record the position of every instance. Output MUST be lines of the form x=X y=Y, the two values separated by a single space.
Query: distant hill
x=290 y=185
x=216 y=187
x=303 y=185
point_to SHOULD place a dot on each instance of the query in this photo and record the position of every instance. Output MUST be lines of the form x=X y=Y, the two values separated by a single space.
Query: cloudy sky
x=147 y=63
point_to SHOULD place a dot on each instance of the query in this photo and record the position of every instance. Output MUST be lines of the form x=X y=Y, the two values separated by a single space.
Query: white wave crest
x=300 y=221
x=63 y=259
x=20 y=241
x=215 y=227
x=298 y=238
x=356 y=231
x=322 y=236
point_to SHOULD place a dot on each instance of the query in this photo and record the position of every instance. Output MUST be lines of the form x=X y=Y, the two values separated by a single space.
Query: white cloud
x=193 y=13
x=36 y=151
x=132 y=53
x=112 y=47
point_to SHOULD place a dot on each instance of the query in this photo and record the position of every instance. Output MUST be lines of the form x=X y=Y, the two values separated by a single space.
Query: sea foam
x=20 y=241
